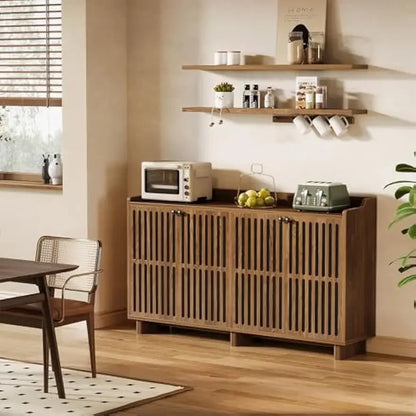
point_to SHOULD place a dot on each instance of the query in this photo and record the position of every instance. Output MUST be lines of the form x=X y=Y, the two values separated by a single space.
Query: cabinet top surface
x=224 y=199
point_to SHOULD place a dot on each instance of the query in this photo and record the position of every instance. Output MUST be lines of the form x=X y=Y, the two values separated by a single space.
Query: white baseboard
x=105 y=319
x=392 y=346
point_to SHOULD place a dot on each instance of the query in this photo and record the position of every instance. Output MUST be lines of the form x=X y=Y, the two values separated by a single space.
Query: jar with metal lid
x=316 y=44
x=295 y=48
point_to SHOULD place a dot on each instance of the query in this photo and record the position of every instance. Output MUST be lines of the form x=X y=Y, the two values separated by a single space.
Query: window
x=30 y=83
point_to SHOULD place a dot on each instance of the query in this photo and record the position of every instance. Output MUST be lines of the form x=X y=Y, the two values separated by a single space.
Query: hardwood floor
x=266 y=379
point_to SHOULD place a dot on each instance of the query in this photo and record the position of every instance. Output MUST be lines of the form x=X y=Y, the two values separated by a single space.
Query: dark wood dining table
x=32 y=272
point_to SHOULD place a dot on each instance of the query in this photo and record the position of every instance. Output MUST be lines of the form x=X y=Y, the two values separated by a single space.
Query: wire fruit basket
x=264 y=198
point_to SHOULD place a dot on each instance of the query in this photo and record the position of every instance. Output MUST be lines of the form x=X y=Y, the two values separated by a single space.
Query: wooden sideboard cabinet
x=302 y=276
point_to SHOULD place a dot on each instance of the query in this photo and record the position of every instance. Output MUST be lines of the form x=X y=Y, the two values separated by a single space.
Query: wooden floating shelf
x=284 y=112
x=277 y=67
x=281 y=115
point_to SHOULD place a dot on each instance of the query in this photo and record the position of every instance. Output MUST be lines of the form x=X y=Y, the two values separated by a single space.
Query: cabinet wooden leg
x=341 y=352
x=239 y=340
x=143 y=327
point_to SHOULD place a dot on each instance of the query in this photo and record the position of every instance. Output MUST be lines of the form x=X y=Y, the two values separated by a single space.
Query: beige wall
x=107 y=147
x=92 y=204
x=165 y=34
x=161 y=36
x=27 y=214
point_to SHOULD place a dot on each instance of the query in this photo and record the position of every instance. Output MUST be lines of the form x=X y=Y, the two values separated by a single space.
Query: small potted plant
x=224 y=95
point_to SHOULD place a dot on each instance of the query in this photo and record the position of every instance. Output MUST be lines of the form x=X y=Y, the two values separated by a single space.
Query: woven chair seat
x=72 y=308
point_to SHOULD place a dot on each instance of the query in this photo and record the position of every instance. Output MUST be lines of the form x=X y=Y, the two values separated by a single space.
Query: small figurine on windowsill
x=45 y=175
x=55 y=169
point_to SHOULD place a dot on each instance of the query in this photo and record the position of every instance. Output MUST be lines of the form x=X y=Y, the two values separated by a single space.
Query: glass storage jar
x=295 y=48
x=316 y=46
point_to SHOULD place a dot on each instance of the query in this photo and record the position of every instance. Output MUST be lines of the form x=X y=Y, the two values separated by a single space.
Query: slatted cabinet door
x=287 y=275
x=258 y=267
x=202 y=263
x=178 y=265
x=315 y=277
x=152 y=268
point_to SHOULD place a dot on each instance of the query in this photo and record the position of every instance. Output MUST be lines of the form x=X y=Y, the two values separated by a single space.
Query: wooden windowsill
x=25 y=180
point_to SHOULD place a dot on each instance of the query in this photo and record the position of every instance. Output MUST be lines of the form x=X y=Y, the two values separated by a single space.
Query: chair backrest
x=85 y=253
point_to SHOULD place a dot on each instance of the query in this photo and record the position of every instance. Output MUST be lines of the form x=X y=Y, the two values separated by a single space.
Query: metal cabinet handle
x=176 y=212
x=287 y=220
x=280 y=219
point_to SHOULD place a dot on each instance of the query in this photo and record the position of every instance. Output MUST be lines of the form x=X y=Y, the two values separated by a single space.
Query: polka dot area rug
x=21 y=392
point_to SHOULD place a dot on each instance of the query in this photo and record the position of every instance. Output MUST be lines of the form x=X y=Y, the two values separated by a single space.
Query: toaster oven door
x=162 y=181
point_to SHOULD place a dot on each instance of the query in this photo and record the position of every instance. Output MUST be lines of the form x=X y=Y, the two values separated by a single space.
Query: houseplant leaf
x=401 y=258
x=404 y=167
x=407 y=280
x=396 y=182
x=403 y=213
x=411 y=231
x=412 y=196
x=407 y=257
x=406 y=268
x=402 y=191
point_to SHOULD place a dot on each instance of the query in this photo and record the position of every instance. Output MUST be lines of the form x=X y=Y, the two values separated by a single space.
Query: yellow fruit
x=251 y=193
x=269 y=201
x=259 y=202
x=251 y=202
x=242 y=198
x=263 y=193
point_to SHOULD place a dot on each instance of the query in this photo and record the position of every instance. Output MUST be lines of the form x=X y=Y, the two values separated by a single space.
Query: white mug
x=220 y=58
x=233 y=57
x=321 y=125
x=339 y=124
x=303 y=123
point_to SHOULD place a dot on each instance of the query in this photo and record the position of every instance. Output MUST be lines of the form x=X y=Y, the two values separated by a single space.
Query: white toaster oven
x=177 y=181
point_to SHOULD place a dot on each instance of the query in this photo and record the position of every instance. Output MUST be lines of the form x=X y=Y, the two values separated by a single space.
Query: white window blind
x=31 y=52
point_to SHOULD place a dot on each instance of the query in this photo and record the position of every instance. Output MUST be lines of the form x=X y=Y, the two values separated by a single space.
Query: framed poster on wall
x=301 y=16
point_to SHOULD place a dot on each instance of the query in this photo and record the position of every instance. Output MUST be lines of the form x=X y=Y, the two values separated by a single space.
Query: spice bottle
x=255 y=97
x=319 y=97
x=246 y=96
x=309 y=98
x=269 y=98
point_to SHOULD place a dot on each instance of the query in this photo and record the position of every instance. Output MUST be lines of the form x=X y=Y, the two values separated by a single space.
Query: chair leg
x=91 y=341
x=45 y=360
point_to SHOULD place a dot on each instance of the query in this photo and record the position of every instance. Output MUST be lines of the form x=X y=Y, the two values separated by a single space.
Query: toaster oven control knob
x=186 y=179
x=186 y=193
x=186 y=186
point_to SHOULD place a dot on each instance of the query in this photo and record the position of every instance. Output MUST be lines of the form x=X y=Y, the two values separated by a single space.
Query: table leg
x=50 y=331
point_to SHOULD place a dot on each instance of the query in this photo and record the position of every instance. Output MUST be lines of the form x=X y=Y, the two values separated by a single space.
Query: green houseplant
x=224 y=87
x=407 y=189
x=224 y=95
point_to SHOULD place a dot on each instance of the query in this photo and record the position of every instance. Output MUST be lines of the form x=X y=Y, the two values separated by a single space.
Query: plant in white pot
x=224 y=95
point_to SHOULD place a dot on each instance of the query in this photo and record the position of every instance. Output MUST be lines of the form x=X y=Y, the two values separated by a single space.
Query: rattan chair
x=71 y=294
